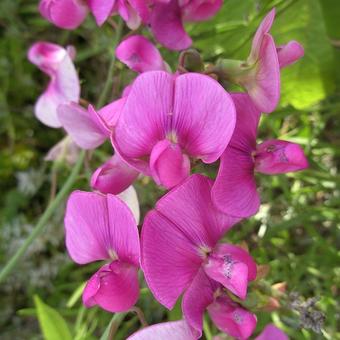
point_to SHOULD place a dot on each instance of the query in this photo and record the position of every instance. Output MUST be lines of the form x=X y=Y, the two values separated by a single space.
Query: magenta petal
x=200 y=10
x=203 y=117
x=114 y=176
x=189 y=207
x=101 y=9
x=139 y=54
x=142 y=122
x=234 y=191
x=80 y=125
x=279 y=156
x=231 y=266
x=271 y=332
x=247 y=121
x=262 y=30
x=108 y=115
x=169 y=259
x=176 y=330
x=289 y=53
x=99 y=227
x=167 y=26
x=231 y=318
x=168 y=165
x=198 y=296
x=114 y=287
x=68 y=14
x=264 y=85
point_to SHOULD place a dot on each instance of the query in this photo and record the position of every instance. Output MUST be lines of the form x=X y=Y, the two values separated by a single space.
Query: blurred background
x=296 y=231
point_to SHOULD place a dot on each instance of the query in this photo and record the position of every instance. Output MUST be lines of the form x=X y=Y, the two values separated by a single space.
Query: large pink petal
x=169 y=259
x=139 y=54
x=263 y=84
x=114 y=287
x=81 y=126
x=289 y=53
x=168 y=165
x=232 y=266
x=101 y=9
x=144 y=117
x=114 y=176
x=199 y=10
x=231 y=318
x=247 y=121
x=68 y=14
x=99 y=227
x=189 y=207
x=262 y=30
x=271 y=332
x=279 y=156
x=167 y=27
x=234 y=191
x=176 y=330
x=198 y=296
x=203 y=117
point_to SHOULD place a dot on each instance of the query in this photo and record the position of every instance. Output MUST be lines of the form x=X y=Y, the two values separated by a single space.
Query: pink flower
x=175 y=330
x=271 y=332
x=68 y=14
x=167 y=119
x=102 y=228
x=139 y=54
x=259 y=75
x=228 y=316
x=179 y=241
x=63 y=87
x=167 y=18
x=234 y=191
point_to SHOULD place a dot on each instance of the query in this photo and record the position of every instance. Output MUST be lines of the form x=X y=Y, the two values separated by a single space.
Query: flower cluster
x=161 y=124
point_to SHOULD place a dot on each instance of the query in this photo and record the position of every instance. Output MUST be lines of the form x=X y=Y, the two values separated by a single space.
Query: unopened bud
x=191 y=61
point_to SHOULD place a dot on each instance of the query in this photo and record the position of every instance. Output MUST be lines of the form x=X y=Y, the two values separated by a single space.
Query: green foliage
x=52 y=324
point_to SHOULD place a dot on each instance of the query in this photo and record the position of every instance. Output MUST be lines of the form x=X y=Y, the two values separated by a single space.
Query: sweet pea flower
x=228 y=316
x=271 y=332
x=166 y=119
x=259 y=75
x=180 y=243
x=63 y=87
x=234 y=191
x=168 y=16
x=102 y=228
x=139 y=54
x=175 y=330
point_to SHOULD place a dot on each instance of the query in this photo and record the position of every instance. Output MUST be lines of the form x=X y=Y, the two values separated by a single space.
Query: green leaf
x=52 y=324
x=313 y=77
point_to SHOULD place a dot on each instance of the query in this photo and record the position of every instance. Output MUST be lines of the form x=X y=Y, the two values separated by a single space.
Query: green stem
x=113 y=326
x=109 y=79
x=38 y=229
x=206 y=329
